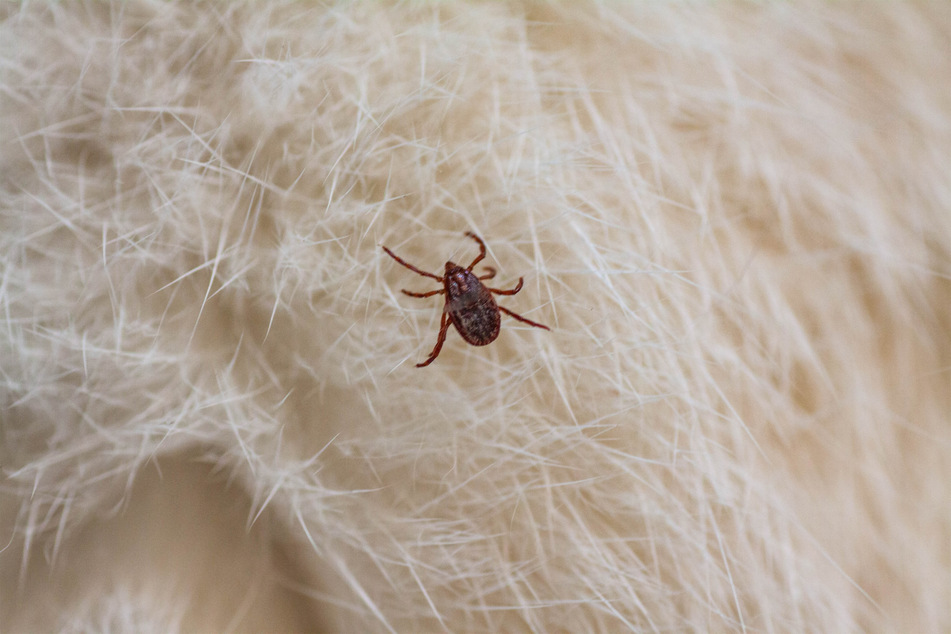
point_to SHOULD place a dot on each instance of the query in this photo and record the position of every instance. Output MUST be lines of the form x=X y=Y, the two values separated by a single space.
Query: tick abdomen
x=478 y=322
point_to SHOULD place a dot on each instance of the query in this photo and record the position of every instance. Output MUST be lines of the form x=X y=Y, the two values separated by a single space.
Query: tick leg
x=520 y=318
x=481 y=249
x=489 y=275
x=517 y=288
x=429 y=294
x=443 y=327
x=410 y=266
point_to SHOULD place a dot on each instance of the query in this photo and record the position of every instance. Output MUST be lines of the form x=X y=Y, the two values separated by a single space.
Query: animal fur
x=735 y=217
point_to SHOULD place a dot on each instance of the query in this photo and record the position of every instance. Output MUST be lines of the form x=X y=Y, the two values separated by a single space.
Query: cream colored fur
x=736 y=219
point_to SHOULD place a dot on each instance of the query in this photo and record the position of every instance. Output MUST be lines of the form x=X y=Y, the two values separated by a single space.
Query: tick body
x=470 y=305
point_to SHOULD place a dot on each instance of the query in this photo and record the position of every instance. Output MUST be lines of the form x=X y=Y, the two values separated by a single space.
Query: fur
x=736 y=218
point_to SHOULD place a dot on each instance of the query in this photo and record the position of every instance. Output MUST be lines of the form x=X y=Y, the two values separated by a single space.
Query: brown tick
x=469 y=305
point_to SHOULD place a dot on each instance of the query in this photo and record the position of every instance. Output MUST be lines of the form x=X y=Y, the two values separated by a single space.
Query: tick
x=469 y=305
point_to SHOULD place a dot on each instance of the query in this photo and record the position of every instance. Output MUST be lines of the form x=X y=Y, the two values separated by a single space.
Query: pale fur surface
x=735 y=218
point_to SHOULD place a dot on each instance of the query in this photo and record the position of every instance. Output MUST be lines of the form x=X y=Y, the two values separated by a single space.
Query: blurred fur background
x=736 y=218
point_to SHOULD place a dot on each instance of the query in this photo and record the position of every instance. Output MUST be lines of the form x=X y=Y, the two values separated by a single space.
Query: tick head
x=458 y=280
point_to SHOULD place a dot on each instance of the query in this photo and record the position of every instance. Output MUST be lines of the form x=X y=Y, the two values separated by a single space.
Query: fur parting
x=736 y=218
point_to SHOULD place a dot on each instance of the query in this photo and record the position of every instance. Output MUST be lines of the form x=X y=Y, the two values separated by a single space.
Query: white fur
x=735 y=219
